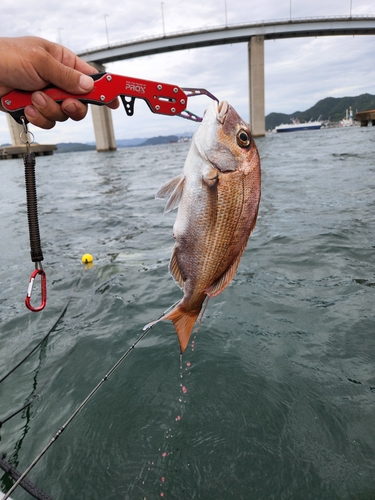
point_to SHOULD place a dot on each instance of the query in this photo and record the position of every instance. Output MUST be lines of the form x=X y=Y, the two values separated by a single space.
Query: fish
x=217 y=196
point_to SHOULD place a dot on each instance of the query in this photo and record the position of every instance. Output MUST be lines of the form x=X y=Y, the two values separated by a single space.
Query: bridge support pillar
x=103 y=128
x=15 y=130
x=103 y=124
x=256 y=86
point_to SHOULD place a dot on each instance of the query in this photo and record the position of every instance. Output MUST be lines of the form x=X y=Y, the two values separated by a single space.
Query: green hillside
x=159 y=140
x=330 y=108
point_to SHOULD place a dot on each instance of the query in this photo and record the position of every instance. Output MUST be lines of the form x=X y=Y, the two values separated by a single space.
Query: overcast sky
x=298 y=72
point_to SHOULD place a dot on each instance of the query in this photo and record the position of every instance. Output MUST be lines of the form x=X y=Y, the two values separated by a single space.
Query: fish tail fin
x=183 y=322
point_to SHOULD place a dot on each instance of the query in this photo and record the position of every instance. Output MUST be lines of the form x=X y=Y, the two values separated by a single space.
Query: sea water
x=274 y=397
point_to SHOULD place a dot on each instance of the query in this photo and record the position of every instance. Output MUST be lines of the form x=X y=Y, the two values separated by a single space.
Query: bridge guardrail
x=224 y=26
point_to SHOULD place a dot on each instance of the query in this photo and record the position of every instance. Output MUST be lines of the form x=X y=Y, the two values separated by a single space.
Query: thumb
x=66 y=77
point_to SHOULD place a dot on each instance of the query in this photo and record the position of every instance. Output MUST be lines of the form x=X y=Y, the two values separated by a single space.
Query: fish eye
x=243 y=138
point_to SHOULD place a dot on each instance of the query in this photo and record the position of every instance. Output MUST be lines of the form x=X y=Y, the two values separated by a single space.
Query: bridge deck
x=237 y=33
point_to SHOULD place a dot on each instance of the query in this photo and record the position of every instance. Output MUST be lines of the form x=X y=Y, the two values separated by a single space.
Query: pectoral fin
x=173 y=189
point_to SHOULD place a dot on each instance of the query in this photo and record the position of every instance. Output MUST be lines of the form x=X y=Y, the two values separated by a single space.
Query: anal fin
x=224 y=280
x=174 y=269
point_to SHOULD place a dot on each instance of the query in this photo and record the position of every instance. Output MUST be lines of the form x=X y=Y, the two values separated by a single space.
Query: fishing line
x=4 y=465
x=31 y=400
x=82 y=405
x=2 y=422
x=44 y=338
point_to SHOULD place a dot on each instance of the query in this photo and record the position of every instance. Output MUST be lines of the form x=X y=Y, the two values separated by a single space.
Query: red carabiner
x=43 y=284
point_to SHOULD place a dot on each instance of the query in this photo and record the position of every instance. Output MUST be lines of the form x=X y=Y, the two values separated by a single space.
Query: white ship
x=296 y=125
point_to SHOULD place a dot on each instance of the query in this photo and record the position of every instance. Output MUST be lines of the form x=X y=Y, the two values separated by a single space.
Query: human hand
x=31 y=63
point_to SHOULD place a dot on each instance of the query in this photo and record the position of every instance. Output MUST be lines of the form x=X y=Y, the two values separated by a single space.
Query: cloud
x=329 y=66
x=298 y=72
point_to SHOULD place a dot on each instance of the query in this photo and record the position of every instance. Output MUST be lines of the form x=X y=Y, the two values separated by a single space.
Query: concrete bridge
x=253 y=34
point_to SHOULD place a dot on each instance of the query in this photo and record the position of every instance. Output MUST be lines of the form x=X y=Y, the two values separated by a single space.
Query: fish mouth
x=221 y=109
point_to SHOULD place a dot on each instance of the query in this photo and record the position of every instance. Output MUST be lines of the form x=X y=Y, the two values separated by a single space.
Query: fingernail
x=39 y=99
x=70 y=109
x=86 y=82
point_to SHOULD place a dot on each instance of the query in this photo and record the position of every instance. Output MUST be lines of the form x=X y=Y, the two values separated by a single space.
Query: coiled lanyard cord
x=32 y=216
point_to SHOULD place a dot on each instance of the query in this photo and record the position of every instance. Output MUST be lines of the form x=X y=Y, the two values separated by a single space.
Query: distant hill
x=128 y=143
x=166 y=139
x=72 y=147
x=125 y=143
x=330 y=108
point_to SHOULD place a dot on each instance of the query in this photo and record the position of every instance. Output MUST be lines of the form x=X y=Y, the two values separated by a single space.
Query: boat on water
x=296 y=125
x=348 y=120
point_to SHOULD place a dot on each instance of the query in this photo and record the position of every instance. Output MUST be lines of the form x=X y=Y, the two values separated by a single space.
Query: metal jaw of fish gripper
x=191 y=92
